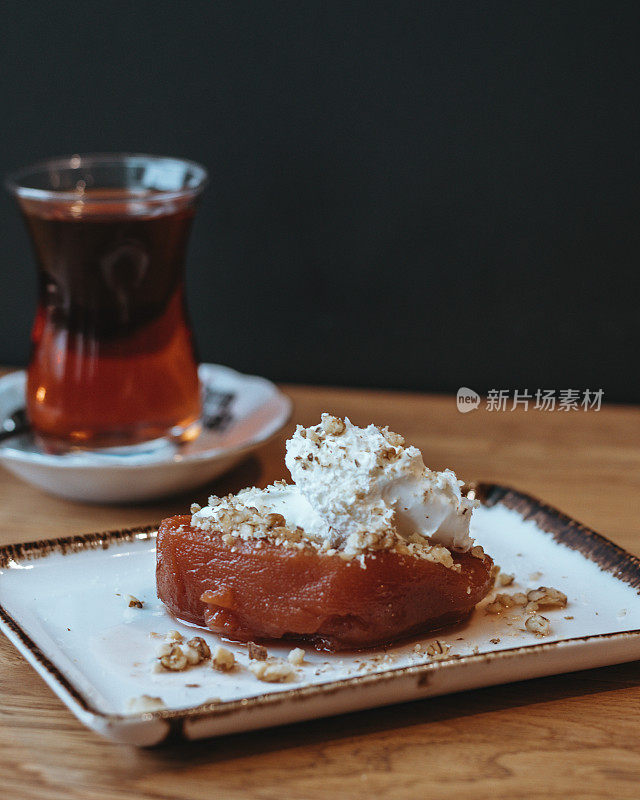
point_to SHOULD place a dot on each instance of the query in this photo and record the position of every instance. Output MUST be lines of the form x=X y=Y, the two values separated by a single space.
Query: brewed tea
x=113 y=359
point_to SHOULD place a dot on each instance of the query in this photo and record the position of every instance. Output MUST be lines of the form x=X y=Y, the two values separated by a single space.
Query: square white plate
x=63 y=603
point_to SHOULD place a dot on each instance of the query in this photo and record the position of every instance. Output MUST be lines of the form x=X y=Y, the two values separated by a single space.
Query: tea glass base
x=118 y=443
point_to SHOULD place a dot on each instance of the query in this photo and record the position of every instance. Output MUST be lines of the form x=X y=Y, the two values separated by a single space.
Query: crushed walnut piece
x=332 y=425
x=200 y=646
x=222 y=659
x=438 y=649
x=134 y=602
x=236 y=521
x=176 y=655
x=191 y=654
x=175 y=659
x=544 y=596
x=531 y=601
x=164 y=649
x=394 y=439
x=145 y=702
x=504 y=579
x=538 y=625
x=296 y=657
x=272 y=671
x=257 y=652
x=503 y=601
x=436 y=553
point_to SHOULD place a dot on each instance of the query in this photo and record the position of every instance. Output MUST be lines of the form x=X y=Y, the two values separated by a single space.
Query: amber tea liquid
x=113 y=361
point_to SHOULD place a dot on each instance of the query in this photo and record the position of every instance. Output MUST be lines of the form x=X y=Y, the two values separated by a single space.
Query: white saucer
x=258 y=411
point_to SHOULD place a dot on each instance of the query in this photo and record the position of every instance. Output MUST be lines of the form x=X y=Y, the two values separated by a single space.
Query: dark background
x=416 y=195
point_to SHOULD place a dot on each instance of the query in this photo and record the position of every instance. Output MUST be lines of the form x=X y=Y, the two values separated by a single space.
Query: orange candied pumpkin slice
x=256 y=589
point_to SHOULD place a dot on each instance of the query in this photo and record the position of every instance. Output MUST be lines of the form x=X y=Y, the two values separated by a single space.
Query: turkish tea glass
x=113 y=362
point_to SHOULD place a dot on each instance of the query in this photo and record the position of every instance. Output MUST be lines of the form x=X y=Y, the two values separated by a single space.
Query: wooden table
x=569 y=736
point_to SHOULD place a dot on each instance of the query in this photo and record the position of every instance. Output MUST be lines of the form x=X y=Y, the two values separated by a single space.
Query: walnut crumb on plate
x=145 y=703
x=538 y=625
x=223 y=659
x=272 y=672
x=177 y=655
x=175 y=660
x=438 y=649
x=502 y=601
x=545 y=596
x=257 y=652
x=296 y=656
x=200 y=646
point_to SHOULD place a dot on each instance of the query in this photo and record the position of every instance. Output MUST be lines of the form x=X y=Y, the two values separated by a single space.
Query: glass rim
x=15 y=182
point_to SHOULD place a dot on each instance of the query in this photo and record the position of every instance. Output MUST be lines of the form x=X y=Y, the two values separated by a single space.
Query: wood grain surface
x=572 y=736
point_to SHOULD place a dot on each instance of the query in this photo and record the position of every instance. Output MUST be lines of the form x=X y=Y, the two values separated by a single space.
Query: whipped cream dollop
x=358 y=489
x=363 y=482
